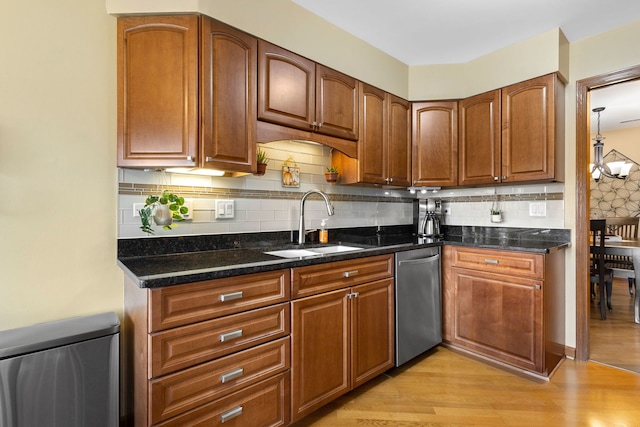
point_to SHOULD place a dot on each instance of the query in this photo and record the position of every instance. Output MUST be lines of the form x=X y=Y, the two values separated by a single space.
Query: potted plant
x=331 y=175
x=496 y=215
x=262 y=159
x=163 y=210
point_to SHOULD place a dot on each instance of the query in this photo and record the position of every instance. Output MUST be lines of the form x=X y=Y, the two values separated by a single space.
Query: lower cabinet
x=506 y=305
x=341 y=338
x=210 y=352
x=240 y=351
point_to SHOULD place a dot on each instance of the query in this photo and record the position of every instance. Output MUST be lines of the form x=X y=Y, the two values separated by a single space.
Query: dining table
x=626 y=247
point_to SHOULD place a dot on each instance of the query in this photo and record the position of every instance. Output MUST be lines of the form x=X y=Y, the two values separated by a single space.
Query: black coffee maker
x=426 y=217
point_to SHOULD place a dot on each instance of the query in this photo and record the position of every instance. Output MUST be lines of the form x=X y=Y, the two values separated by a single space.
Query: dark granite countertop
x=166 y=261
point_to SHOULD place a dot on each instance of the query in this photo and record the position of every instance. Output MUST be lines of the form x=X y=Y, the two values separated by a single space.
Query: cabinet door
x=228 y=98
x=372 y=146
x=499 y=316
x=372 y=328
x=157 y=91
x=528 y=130
x=336 y=103
x=435 y=143
x=480 y=139
x=320 y=338
x=399 y=146
x=286 y=84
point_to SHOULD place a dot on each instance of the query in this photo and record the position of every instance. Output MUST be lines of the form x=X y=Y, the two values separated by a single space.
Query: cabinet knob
x=231 y=296
x=210 y=159
x=230 y=335
x=230 y=414
x=495 y=178
x=190 y=158
x=237 y=373
x=350 y=273
x=504 y=177
x=390 y=179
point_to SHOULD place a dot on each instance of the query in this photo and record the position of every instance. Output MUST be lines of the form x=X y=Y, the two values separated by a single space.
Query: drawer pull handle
x=490 y=261
x=231 y=414
x=231 y=375
x=230 y=335
x=350 y=273
x=231 y=296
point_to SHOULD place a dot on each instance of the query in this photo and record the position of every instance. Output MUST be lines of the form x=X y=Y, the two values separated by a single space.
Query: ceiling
x=424 y=32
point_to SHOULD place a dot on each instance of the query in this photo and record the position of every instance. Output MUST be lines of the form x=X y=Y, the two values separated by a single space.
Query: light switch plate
x=225 y=209
x=537 y=209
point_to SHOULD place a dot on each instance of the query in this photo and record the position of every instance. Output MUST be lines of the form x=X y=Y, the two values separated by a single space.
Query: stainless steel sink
x=334 y=249
x=303 y=253
x=293 y=253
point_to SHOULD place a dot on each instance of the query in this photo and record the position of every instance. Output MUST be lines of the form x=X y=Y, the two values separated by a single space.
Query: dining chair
x=600 y=274
x=627 y=228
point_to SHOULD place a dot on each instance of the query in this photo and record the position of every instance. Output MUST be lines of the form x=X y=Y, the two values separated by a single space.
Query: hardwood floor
x=616 y=341
x=445 y=388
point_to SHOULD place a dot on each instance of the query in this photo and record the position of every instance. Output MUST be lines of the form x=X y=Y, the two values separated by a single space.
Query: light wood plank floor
x=616 y=341
x=445 y=388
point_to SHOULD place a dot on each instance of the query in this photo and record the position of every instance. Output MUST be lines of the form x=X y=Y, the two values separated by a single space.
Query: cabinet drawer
x=187 y=346
x=521 y=264
x=263 y=404
x=315 y=279
x=184 y=304
x=185 y=390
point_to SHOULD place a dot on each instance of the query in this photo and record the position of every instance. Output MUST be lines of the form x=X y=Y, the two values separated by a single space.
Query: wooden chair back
x=598 y=229
x=625 y=227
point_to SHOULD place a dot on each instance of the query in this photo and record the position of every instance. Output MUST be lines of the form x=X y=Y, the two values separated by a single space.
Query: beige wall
x=57 y=162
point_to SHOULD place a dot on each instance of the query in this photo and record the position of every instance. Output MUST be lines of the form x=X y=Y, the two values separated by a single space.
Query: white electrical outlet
x=225 y=209
x=537 y=209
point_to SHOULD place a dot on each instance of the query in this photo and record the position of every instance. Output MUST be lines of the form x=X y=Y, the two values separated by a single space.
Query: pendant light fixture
x=618 y=170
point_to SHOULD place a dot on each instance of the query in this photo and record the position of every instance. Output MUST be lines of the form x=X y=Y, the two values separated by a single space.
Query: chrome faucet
x=301 y=229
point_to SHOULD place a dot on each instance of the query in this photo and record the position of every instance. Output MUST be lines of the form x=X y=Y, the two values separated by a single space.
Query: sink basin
x=334 y=249
x=302 y=253
x=293 y=253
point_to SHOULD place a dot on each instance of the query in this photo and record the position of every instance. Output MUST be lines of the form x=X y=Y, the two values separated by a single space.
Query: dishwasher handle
x=432 y=258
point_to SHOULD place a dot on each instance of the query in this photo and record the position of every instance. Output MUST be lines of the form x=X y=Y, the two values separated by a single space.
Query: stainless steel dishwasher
x=418 y=303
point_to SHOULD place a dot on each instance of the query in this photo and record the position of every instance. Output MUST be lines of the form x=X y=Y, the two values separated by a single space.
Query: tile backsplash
x=262 y=203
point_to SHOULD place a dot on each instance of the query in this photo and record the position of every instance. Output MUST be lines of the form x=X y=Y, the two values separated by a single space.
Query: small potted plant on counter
x=163 y=210
x=262 y=160
x=331 y=175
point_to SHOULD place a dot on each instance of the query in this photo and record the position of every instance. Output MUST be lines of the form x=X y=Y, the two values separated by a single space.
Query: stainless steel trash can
x=61 y=374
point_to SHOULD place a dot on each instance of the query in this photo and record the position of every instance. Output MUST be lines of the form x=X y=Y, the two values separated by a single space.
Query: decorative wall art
x=612 y=197
x=290 y=173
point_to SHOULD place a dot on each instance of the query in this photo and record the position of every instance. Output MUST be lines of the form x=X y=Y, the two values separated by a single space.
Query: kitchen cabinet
x=299 y=93
x=342 y=329
x=187 y=94
x=514 y=134
x=384 y=147
x=507 y=306
x=435 y=143
x=214 y=350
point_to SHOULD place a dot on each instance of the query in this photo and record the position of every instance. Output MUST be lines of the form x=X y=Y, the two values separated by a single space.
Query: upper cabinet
x=298 y=93
x=187 y=93
x=384 y=146
x=514 y=134
x=435 y=143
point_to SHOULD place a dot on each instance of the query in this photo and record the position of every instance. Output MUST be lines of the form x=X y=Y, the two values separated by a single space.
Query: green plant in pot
x=262 y=161
x=162 y=210
x=331 y=175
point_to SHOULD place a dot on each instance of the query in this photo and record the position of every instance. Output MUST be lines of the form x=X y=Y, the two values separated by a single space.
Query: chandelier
x=619 y=170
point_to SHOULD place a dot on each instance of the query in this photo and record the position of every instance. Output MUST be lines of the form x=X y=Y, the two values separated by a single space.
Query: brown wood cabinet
x=213 y=350
x=340 y=338
x=297 y=92
x=187 y=93
x=505 y=305
x=384 y=147
x=514 y=134
x=435 y=143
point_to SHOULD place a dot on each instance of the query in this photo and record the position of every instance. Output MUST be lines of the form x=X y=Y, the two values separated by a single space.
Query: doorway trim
x=582 y=197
